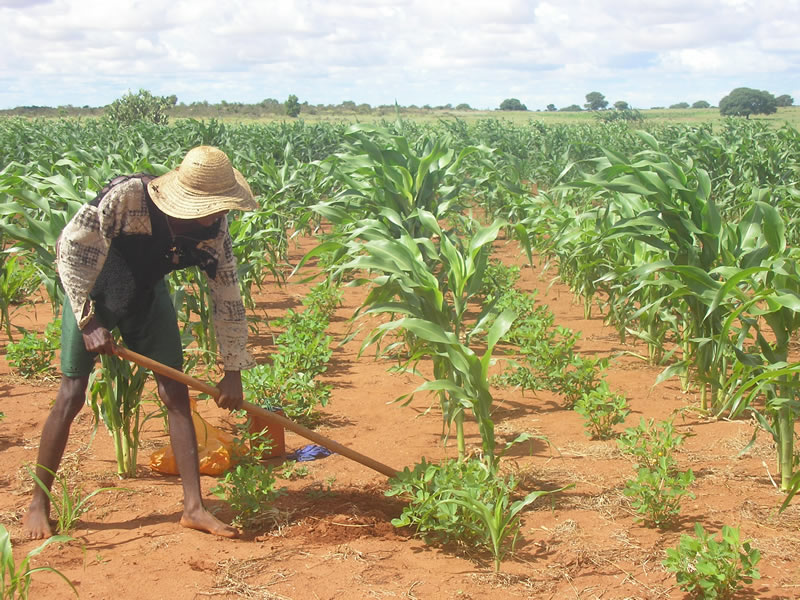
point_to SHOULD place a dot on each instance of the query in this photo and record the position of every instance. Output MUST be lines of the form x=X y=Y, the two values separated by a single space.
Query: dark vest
x=136 y=263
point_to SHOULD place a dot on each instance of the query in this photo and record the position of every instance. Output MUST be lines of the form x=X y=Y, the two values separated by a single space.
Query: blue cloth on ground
x=309 y=452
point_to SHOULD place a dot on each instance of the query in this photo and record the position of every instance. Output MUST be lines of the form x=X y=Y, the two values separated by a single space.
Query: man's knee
x=71 y=396
x=173 y=393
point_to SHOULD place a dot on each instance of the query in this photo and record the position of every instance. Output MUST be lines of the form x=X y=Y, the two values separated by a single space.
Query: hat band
x=232 y=190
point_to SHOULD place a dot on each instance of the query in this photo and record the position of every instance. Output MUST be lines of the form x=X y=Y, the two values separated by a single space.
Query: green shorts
x=151 y=331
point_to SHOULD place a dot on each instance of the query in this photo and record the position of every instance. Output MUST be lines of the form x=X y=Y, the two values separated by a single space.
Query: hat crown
x=205 y=183
x=206 y=170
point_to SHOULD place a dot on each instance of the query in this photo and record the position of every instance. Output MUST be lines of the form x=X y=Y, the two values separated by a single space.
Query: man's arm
x=97 y=338
x=231 y=392
x=230 y=321
x=83 y=246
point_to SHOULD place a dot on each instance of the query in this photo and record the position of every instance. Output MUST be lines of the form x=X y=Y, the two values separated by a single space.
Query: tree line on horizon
x=134 y=106
x=169 y=105
x=741 y=102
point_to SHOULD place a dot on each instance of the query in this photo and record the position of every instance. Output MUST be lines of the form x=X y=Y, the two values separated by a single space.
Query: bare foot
x=37 y=524
x=203 y=520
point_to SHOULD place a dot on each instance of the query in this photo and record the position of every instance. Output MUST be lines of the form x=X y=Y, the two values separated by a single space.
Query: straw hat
x=204 y=184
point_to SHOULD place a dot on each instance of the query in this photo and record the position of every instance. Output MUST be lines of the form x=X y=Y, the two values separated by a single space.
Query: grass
x=789 y=115
x=68 y=502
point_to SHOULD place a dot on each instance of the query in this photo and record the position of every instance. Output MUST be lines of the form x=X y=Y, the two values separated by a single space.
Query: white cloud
x=730 y=61
x=550 y=15
x=379 y=51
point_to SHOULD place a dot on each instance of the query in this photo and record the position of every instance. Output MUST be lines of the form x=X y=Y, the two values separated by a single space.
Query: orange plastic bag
x=215 y=449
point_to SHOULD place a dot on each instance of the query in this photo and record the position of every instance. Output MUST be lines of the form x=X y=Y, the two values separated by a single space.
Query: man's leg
x=69 y=400
x=153 y=332
x=175 y=397
x=76 y=365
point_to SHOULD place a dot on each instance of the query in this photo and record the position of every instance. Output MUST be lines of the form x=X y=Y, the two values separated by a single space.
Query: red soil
x=333 y=537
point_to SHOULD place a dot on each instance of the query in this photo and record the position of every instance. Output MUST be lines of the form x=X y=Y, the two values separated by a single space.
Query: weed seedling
x=713 y=569
x=649 y=441
x=15 y=579
x=462 y=501
x=68 y=503
x=249 y=487
x=290 y=470
x=601 y=410
x=657 y=493
x=33 y=355
x=318 y=490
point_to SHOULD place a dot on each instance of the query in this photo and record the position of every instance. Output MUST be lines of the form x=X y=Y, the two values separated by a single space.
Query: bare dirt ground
x=332 y=536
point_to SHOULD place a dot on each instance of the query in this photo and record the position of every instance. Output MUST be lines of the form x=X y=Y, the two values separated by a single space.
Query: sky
x=410 y=52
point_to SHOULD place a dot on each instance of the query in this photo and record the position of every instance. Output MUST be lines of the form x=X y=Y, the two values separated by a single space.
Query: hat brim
x=179 y=202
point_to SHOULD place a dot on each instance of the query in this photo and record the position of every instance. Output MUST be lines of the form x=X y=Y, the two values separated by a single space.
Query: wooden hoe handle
x=180 y=376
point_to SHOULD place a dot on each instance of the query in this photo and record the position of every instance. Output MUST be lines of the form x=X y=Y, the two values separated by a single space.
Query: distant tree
x=743 y=102
x=512 y=104
x=463 y=106
x=571 y=108
x=348 y=105
x=679 y=105
x=701 y=104
x=656 y=108
x=595 y=101
x=621 y=105
x=784 y=100
x=142 y=106
x=551 y=107
x=292 y=106
x=271 y=105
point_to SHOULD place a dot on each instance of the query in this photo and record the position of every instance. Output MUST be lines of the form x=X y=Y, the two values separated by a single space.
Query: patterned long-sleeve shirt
x=120 y=245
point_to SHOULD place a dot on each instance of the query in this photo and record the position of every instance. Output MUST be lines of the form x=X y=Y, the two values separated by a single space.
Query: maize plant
x=191 y=297
x=683 y=224
x=770 y=312
x=115 y=395
x=732 y=281
x=430 y=283
x=388 y=212
x=388 y=177
x=34 y=209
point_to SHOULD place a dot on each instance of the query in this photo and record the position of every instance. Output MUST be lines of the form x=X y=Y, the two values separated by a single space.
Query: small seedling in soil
x=15 y=579
x=464 y=502
x=68 y=503
x=33 y=355
x=657 y=493
x=649 y=441
x=713 y=569
x=249 y=487
x=601 y=410
x=290 y=470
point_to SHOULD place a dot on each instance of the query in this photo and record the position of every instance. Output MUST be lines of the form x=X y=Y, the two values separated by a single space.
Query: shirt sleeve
x=230 y=321
x=83 y=246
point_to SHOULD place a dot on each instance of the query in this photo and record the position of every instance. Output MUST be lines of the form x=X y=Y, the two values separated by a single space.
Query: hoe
x=254 y=410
